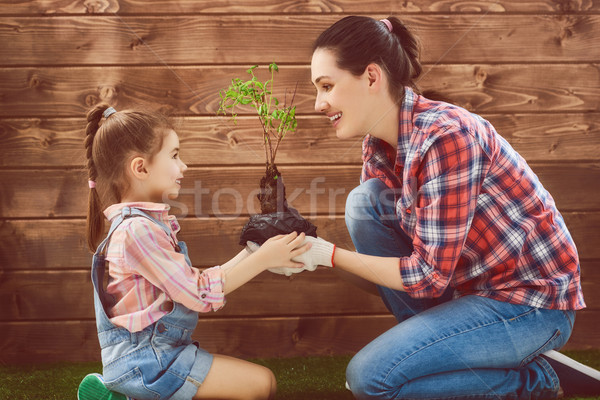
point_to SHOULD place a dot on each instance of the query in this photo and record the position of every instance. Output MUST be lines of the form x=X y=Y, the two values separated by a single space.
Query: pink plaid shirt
x=479 y=218
x=147 y=274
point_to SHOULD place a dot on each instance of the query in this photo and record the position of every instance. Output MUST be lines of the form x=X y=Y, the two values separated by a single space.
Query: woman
x=466 y=247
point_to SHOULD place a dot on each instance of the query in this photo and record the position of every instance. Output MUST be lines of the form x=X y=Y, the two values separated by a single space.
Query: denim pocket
x=549 y=345
x=132 y=384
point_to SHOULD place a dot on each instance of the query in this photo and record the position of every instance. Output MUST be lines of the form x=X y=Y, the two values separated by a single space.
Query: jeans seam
x=550 y=371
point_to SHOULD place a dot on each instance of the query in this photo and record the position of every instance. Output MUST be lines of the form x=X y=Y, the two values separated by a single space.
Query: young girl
x=465 y=246
x=147 y=313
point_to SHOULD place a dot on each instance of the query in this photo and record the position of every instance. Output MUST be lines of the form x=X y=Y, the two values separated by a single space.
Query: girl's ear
x=138 y=168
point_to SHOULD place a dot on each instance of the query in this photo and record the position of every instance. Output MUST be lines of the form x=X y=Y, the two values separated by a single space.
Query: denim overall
x=158 y=362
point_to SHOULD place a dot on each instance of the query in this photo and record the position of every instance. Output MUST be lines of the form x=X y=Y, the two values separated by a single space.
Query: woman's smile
x=335 y=118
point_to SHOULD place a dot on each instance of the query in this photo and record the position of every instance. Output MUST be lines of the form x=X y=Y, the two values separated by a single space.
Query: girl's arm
x=275 y=252
x=239 y=257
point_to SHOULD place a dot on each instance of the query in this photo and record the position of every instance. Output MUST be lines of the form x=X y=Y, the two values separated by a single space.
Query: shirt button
x=203 y=295
x=408 y=211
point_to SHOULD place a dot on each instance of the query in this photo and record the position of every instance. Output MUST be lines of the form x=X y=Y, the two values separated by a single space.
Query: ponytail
x=411 y=46
x=95 y=217
x=358 y=41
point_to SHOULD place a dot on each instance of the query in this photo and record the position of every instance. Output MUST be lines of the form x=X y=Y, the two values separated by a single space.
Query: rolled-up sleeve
x=449 y=180
x=149 y=252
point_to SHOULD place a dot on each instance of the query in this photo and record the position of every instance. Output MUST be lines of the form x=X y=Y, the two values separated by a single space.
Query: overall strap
x=128 y=212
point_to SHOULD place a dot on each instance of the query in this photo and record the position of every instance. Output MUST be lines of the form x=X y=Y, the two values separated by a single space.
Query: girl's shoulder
x=141 y=233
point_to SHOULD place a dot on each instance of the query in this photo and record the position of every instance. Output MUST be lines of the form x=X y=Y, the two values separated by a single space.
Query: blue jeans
x=470 y=347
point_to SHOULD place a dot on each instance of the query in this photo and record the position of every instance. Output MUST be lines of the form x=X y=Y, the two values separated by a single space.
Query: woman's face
x=341 y=96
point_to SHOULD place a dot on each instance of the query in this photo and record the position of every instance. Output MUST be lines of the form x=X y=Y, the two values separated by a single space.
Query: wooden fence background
x=530 y=67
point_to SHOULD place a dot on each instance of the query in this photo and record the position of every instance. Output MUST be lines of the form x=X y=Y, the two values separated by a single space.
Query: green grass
x=319 y=378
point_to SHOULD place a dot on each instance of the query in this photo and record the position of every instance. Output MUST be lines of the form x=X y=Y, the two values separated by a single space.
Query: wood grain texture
x=166 y=7
x=233 y=39
x=74 y=341
x=205 y=141
x=70 y=92
x=531 y=67
x=60 y=243
x=231 y=191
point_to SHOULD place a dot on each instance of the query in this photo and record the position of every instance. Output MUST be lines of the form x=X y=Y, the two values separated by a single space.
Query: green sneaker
x=92 y=388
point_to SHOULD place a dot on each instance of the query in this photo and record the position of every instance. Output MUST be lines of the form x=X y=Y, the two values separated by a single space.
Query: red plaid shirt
x=479 y=218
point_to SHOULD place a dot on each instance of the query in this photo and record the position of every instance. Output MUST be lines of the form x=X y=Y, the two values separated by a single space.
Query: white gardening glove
x=320 y=253
x=251 y=247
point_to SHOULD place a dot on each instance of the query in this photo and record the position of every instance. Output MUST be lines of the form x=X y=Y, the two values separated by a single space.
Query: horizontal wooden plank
x=67 y=295
x=50 y=142
x=60 y=243
x=76 y=341
x=224 y=39
x=231 y=191
x=507 y=88
x=165 y=7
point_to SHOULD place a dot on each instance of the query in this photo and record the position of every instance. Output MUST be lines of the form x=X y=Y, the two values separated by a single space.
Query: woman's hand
x=279 y=250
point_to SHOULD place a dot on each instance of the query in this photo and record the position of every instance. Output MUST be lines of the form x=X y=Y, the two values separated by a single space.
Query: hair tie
x=91 y=184
x=387 y=23
x=108 y=112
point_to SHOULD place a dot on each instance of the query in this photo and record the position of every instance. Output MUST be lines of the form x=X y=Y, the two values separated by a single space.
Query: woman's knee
x=363 y=203
x=365 y=378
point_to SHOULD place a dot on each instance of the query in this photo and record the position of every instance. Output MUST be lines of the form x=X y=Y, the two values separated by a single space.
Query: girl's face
x=341 y=96
x=166 y=170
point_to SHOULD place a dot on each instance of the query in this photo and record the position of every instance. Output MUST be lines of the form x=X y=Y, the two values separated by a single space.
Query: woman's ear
x=374 y=74
x=137 y=167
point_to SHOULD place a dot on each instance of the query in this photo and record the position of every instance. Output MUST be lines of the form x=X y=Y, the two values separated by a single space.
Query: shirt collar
x=406 y=125
x=159 y=211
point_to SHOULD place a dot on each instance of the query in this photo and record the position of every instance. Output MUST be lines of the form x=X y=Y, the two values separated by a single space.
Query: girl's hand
x=279 y=250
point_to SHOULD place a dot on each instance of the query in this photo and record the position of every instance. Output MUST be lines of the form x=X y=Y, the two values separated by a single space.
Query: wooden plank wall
x=530 y=67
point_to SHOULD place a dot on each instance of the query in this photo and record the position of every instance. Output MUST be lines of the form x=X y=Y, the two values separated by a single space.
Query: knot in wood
x=567 y=6
x=91 y=100
x=135 y=42
x=296 y=337
x=107 y=93
x=47 y=140
x=34 y=81
x=96 y=6
x=480 y=76
x=232 y=141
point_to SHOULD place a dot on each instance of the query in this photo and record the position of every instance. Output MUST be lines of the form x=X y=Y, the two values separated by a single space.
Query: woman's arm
x=357 y=281
x=383 y=271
